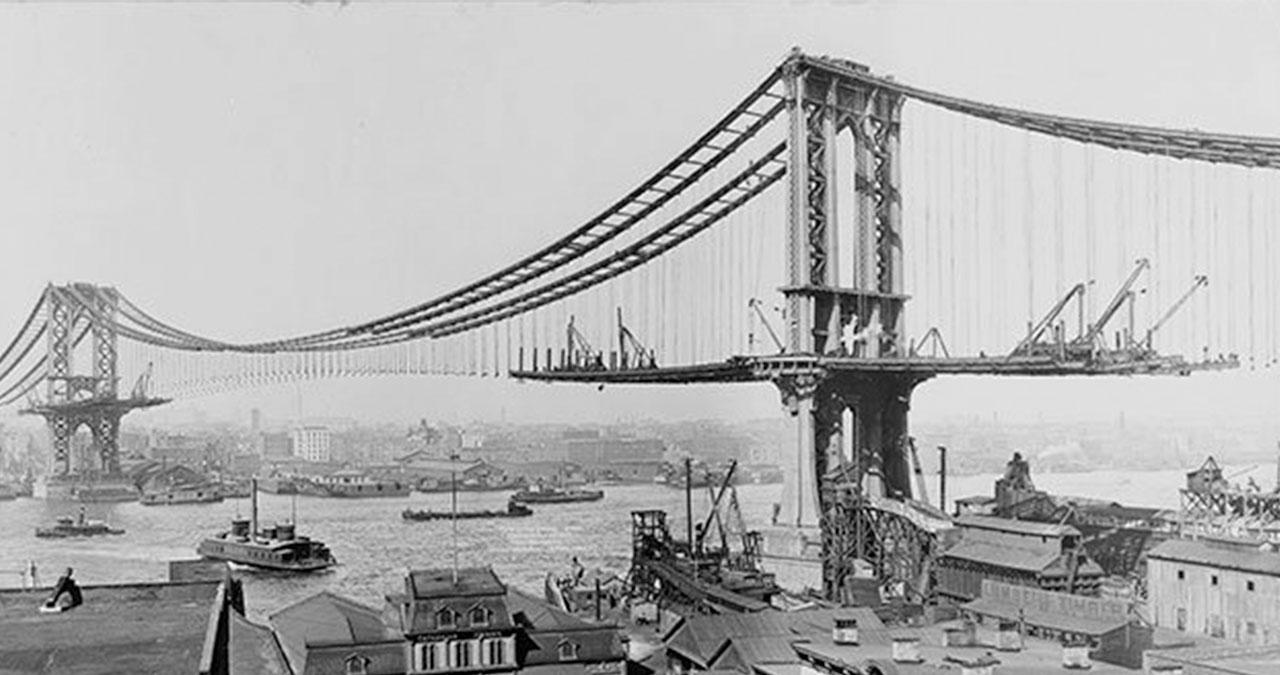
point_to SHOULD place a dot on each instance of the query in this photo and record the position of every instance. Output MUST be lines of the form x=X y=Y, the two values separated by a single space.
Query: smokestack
x=688 y=501
x=253 y=508
x=942 y=478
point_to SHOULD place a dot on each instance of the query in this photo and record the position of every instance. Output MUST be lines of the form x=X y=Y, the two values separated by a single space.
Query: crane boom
x=1048 y=319
x=755 y=304
x=577 y=339
x=715 y=504
x=628 y=341
x=1096 y=328
x=1200 y=280
x=915 y=466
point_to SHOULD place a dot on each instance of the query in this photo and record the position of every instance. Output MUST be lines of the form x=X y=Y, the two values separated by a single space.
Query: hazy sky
x=253 y=170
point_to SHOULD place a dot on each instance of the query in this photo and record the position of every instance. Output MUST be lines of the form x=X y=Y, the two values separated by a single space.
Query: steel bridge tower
x=89 y=400
x=856 y=312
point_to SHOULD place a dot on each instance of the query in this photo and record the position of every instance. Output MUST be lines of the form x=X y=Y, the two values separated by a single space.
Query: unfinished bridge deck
x=764 y=368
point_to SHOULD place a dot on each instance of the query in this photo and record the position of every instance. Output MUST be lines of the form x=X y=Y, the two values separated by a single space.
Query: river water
x=374 y=546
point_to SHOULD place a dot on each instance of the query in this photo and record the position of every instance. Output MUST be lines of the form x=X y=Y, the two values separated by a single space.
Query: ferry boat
x=552 y=495
x=80 y=526
x=514 y=510
x=277 y=548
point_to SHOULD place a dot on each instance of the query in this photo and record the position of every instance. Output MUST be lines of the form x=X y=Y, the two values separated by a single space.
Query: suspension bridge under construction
x=1024 y=243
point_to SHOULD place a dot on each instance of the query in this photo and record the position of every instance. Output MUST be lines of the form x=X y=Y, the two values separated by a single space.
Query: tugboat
x=277 y=548
x=553 y=495
x=76 y=527
x=514 y=510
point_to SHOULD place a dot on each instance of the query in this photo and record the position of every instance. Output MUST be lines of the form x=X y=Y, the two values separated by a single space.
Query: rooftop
x=976 y=499
x=1024 y=527
x=1058 y=621
x=133 y=628
x=540 y=615
x=703 y=639
x=1244 y=660
x=1225 y=556
x=1002 y=556
x=325 y=619
x=254 y=649
x=1037 y=656
x=440 y=583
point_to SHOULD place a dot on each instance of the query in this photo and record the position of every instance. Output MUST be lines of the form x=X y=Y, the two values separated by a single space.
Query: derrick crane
x=715 y=508
x=579 y=351
x=629 y=345
x=1200 y=280
x=933 y=338
x=1089 y=342
x=1029 y=343
x=755 y=304
x=143 y=383
x=1125 y=293
x=921 y=485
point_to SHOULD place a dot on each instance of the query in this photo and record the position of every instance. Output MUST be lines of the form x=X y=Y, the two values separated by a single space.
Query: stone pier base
x=794 y=556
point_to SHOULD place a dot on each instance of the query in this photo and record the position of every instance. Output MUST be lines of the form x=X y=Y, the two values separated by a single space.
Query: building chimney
x=844 y=630
x=906 y=649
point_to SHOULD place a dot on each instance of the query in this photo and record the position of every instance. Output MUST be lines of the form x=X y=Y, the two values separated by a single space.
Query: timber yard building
x=1041 y=555
x=1215 y=589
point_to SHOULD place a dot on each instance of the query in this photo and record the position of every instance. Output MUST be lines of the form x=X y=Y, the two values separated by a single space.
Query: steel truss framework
x=899 y=551
x=74 y=401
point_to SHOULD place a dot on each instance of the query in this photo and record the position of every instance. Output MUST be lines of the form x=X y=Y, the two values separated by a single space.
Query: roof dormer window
x=445 y=618
x=479 y=616
x=568 y=650
x=357 y=665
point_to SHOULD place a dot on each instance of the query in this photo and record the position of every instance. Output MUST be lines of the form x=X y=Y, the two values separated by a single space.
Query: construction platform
x=94 y=406
x=765 y=368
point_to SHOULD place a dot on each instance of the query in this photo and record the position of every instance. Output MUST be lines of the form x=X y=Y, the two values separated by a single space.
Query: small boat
x=76 y=527
x=277 y=548
x=514 y=510
x=543 y=495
